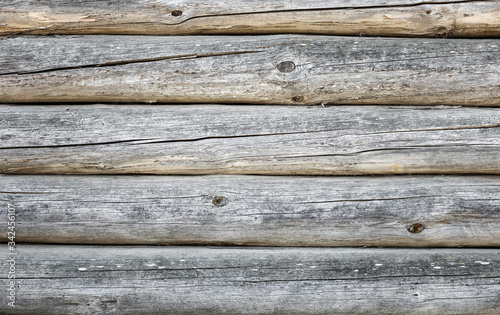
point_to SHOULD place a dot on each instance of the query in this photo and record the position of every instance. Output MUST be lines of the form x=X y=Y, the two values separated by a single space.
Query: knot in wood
x=220 y=201
x=286 y=66
x=177 y=13
x=416 y=228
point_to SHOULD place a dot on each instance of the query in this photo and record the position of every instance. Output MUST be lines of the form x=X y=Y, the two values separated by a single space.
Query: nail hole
x=286 y=66
x=416 y=228
x=298 y=98
x=177 y=13
x=220 y=201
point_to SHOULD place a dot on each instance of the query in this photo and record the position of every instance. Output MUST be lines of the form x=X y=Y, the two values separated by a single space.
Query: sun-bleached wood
x=337 y=17
x=199 y=280
x=225 y=139
x=419 y=211
x=279 y=69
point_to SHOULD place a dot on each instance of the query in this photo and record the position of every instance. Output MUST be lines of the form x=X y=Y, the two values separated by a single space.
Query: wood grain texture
x=255 y=210
x=225 y=139
x=338 y=17
x=196 y=280
x=280 y=69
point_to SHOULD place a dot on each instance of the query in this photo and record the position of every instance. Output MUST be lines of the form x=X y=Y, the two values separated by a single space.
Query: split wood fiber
x=337 y=17
x=225 y=139
x=278 y=69
x=419 y=211
x=198 y=280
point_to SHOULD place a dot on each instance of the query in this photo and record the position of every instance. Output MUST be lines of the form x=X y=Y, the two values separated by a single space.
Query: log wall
x=129 y=124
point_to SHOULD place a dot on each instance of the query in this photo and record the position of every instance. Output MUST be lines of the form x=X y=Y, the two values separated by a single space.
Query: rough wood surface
x=279 y=69
x=225 y=139
x=441 y=211
x=196 y=280
x=338 y=17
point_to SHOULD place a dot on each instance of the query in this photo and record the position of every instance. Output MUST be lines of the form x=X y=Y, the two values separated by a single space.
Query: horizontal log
x=393 y=211
x=337 y=17
x=225 y=139
x=197 y=280
x=280 y=69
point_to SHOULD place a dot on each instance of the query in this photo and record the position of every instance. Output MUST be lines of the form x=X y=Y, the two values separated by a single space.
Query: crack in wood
x=415 y=147
x=74 y=144
x=475 y=276
x=147 y=141
x=368 y=200
x=25 y=192
x=437 y=129
x=405 y=59
x=329 y=9
x=133 y=61
x=156 y=141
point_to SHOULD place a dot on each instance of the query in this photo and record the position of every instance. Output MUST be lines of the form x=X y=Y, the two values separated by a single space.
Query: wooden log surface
x=338 y=17
x=196 y=280
x=419 y=211
x=225 y=139
x=279 y=69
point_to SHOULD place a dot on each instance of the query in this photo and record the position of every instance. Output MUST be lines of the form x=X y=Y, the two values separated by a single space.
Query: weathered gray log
x=337 y=17
x=281 y=69
x=254 y=210
x=197 y=280
x=225 y=139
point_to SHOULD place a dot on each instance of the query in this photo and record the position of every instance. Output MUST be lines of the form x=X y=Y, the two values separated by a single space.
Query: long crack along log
x=338 y=17
x=225 y=139
x=280 y=69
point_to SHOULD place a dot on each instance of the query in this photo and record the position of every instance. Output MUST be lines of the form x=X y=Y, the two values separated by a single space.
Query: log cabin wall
x=250 y=157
